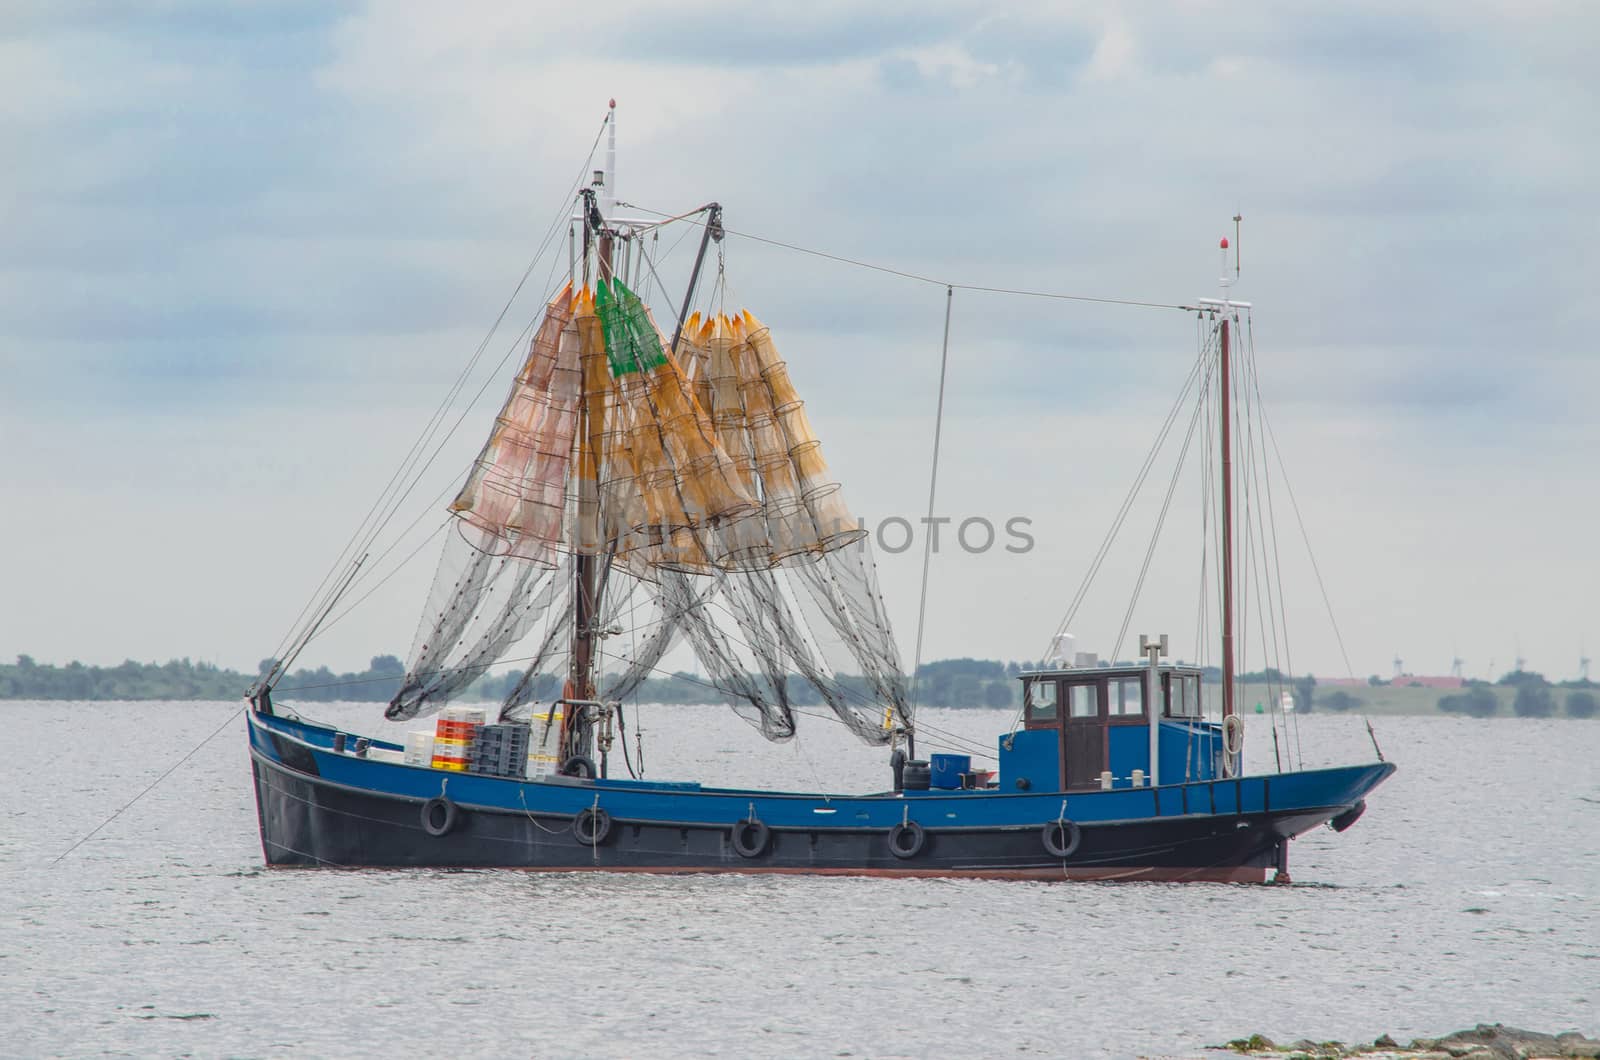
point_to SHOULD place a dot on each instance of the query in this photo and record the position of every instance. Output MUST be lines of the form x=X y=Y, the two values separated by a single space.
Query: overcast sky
x=247 y=248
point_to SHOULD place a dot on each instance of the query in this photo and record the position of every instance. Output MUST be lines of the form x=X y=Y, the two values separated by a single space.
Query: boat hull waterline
x=318 y=807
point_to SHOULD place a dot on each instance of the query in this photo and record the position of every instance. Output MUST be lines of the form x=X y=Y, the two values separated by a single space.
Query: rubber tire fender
x=435 y=825
x=751 y=837
x=1061 y=838
x=1349 y=817
x=591 y=826
x=907 y=840
x=579 y=766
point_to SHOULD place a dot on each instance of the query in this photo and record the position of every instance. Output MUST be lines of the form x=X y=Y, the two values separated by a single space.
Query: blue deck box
x=947 y=769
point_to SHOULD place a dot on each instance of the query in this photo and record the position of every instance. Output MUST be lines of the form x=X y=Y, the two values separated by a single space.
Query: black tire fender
x=591 y=826
x=750 y=837
x=1349 y=817
x=1061 y=838
x=579 y=766
x=440 y=816
x=907 y=840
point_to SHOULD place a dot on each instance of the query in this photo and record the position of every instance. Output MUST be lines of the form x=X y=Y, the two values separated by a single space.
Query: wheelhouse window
x=1041 y=700
x=1183 y=696
x=1127 y=696
x=1083 y=701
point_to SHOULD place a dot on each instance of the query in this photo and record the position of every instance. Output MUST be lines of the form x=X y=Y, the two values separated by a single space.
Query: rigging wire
x=1305 y=536
x=1254 y=545
x=449 y=487
x=1247 y=582
x=1272 y=522
x=1161 y=519
x=933 y=484
x=148 y=788
x=1316 y=570
x=490 y=378
x=1269 y=614
x=903 y=274
x=367 y=530
x=1127 y=505
x=662 y=258
x=398 y=567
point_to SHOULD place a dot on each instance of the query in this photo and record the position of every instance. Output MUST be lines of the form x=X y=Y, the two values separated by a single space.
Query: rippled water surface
x=1470 y=892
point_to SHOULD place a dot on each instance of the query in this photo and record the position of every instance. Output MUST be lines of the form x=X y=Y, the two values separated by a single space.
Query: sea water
x=1469 y=892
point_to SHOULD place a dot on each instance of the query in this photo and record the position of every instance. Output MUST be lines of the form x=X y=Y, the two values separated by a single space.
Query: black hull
x=307 y=820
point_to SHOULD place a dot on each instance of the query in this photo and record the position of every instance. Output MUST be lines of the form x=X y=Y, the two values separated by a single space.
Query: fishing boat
x=669 y=483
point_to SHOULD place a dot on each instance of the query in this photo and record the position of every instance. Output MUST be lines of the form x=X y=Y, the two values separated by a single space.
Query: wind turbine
x=1583 y=663
x=1455 y=666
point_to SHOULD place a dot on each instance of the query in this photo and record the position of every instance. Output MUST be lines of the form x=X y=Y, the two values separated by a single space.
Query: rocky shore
x=1486 y=1041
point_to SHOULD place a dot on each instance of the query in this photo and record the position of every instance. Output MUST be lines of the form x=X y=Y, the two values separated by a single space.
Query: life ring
x=439 y=816
x=579 y=766
x=591 y=826
x=906 y=840
x=1061 y=838
x=1233 y=734
x=750 y=837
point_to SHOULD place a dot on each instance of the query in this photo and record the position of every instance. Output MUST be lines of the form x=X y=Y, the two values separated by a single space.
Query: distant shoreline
x=953 y=683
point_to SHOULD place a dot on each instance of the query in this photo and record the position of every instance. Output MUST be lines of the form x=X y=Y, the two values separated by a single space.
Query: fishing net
x=517 y=490
x=695 y=481
x=482 y=602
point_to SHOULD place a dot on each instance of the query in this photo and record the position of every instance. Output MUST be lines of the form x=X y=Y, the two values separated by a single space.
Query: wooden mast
x=1227 y=525
x=588 y=565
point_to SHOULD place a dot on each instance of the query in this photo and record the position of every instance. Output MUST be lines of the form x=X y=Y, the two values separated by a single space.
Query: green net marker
x=631 y=341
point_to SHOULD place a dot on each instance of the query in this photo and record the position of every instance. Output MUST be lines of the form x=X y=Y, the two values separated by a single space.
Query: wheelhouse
x=1089 y=728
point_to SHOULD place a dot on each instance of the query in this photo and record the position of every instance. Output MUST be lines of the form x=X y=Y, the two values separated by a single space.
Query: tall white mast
x=608 y=198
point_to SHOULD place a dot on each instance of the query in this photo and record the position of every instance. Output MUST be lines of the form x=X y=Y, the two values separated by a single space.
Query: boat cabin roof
x=1111 y=670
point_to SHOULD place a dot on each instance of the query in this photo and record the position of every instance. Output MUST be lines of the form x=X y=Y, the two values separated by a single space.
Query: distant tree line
x=186 y=679
x=943 y=683
x=1535 y=696
x=950 y=683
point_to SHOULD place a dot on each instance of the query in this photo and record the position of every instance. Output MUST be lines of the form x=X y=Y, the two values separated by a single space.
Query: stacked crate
x=544 y=745
x=419 y=748
x=453 y=737
x=499 y=750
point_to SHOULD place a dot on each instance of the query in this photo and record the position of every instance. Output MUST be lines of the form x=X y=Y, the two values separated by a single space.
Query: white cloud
x=951 y=63
x=1114 y=56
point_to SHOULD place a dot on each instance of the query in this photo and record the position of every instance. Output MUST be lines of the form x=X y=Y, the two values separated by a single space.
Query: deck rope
x=150 y=787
